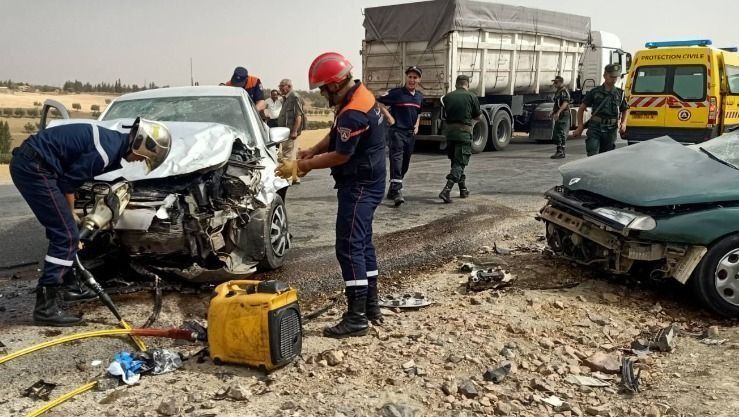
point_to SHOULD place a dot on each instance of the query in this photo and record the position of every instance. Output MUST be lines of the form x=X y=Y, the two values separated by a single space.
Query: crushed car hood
x=657 y=172
x=195 y=146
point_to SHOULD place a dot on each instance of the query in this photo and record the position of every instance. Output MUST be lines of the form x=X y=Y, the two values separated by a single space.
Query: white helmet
x=150 y=140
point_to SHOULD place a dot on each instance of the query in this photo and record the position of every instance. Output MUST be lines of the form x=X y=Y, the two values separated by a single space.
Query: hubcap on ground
x=727 y=277
x=279 y=236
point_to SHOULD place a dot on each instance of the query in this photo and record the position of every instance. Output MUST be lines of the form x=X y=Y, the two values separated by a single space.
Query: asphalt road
x=523 y=170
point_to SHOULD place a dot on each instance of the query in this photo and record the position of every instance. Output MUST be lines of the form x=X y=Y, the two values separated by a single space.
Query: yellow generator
x=255 y=323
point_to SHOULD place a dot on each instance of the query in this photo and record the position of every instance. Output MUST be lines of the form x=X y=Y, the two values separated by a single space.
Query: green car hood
x=657 y=172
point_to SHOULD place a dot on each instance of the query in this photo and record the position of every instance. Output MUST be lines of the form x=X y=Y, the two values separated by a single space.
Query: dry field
x=26 y=100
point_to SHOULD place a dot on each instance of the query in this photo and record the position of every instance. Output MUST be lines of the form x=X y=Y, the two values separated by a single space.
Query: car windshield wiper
x=716 y=158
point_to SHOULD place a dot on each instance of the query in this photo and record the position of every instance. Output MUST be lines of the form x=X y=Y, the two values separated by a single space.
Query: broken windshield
x=225 y=110
x=725 y=148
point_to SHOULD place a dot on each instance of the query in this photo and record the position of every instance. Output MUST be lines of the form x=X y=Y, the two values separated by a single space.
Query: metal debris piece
x=498 y=374
x=713 y=342
x=663 y=341
x=586 y=381
x=501 y=251
x=489 y=279
x=467 y=267
x=40 y=390
x=553 y=400
x=629 y=379
x=416 y=300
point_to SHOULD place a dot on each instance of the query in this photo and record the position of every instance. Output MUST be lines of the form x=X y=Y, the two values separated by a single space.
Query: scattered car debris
x=501 y=251
x=467 y=267
x=415 y=300
x=663 y=341
x=586 y=381
x=39 y=390
x=553 y=400
x=498 y=374
x=713 y=342
x=490 y=279
x=629 y=379
x=3 y=349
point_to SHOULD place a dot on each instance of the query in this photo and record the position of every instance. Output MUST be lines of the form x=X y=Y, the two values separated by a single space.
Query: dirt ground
x=556 y=322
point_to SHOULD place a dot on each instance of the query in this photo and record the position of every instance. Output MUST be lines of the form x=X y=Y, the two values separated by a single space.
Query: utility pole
x=191 y=79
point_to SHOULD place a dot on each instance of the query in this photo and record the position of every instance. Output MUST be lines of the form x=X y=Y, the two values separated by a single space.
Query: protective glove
x=289 y=169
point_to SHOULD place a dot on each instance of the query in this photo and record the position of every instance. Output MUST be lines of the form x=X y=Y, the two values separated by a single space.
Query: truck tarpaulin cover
x=432 y=20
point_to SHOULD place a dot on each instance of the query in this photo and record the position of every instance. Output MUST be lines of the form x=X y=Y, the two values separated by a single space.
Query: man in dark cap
x=250 y=83
x=405 y=106
x=460 y=109
x=560 y=116
x=609 y=113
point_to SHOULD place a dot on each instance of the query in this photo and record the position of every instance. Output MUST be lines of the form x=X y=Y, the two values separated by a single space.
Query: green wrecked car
x=658 y=206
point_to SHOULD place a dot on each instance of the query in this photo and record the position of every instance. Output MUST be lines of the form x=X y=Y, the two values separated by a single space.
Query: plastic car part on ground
x=489 y=279
x=663 y=341
x=40 y=390
x=416 y=300
x=629 y=378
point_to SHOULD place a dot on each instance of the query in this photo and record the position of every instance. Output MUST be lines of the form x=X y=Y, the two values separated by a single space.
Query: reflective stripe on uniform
x=57 y=261
x=99 y=147
x=372 y=274
x=399 y=181
x=356 y=283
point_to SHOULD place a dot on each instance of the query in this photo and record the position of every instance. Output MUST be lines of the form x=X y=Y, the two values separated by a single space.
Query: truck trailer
x=510 y=53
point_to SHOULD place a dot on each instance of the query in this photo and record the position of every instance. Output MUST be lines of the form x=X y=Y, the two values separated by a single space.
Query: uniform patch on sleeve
x=344 y=133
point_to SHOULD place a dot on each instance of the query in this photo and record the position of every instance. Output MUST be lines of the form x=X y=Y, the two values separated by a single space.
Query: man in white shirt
x=274 y=105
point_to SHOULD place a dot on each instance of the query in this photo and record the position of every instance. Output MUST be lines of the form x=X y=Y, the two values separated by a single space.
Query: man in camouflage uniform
x=460 y=109
x=560 y=116
x=609 y=113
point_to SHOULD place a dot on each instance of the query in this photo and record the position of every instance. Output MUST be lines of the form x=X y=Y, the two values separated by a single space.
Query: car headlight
x=629 y=220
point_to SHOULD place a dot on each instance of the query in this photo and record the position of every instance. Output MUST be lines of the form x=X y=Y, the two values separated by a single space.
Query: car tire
x=501 y=131
x=716 y=279
x=276 y=236
x=480 y=135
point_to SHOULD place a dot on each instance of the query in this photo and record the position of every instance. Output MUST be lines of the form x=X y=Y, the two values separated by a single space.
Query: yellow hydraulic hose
x=65 y=339
x=62 y=398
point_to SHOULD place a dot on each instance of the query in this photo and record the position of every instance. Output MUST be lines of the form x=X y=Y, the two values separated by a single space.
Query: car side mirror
x=277 y=135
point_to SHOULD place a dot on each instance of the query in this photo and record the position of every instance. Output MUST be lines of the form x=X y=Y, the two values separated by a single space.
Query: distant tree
x=5 y=138
x=19 y=112
x=37 y=103
x=96 y=114
x=54 y=112
x=95 y=107
x=107 y=101
x=7 y=112
x=32 y=112
x=76 y=106
x=29 y=127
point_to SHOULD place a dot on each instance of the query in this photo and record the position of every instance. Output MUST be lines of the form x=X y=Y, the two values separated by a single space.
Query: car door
x=52 y=109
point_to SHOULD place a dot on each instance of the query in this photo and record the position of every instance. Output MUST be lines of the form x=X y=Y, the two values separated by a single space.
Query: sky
x=51 y=41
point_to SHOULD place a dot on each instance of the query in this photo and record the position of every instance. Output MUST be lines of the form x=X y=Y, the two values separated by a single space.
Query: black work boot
x=354 y=322
x=391 y=194
x=398 y=198
x=373 y=308
x=73 y=290
x=47 y=311
x=463 y=191
x=559 y=154
x=445 y=192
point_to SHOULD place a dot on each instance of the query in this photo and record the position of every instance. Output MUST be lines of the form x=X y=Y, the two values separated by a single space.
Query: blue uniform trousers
x=37 y=183
x=401 y=143
x=354 y=249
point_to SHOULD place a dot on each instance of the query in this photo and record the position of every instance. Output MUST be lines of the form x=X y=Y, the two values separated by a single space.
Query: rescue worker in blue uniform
x=251 y=83
x=47 y=169
x=402 y=119
x=354 y=149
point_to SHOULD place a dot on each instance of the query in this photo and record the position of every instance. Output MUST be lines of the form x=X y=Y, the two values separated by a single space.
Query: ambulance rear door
x=730 y=88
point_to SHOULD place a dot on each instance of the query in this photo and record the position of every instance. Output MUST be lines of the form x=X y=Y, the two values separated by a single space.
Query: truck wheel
x=716 y=279
x=502 y=131
x=480 y=135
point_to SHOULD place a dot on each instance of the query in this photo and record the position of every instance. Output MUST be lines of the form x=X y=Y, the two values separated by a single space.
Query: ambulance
x=687 y=90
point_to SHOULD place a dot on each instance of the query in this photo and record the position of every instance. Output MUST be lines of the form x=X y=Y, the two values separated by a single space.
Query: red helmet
x=328 y=68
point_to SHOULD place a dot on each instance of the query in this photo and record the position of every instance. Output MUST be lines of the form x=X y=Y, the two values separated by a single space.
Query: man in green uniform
x=460 y=109
x=609 y=113
x=560 y=116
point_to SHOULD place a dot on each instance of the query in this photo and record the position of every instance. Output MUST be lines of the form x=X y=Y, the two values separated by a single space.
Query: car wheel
x=716 y=280
x=276 y=236
x=502 y=131
x=480 y=135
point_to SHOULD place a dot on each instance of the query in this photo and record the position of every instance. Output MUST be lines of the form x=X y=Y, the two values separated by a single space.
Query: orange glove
x=289 y=169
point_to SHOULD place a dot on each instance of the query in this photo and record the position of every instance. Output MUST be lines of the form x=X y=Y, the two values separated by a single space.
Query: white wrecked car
x=214 y=210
